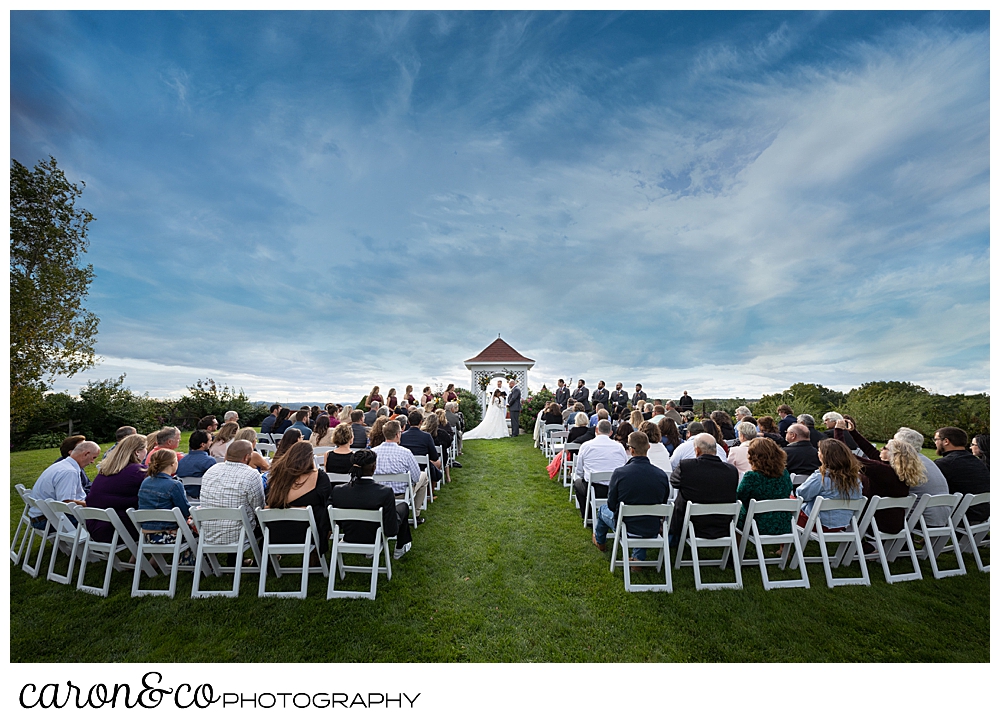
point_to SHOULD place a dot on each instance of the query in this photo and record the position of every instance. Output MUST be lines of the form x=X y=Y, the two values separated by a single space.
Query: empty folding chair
x=184 y=541
x=338 y=479
x=625 y=541
x=20 y=539
x=44 y=535
x=896 y=540
x=206 y=551
x=67 y=537
x=121 y=541
x=387 y=479
x=376 y=549
x=790 y=540
x=568 y=463
x=798 y=479
x=423 y=462
x=848 y=541
x=728 y=543
x=593 y=501
x=936 y=537
x=971 y=536
x=547 y=441
x=271 y=551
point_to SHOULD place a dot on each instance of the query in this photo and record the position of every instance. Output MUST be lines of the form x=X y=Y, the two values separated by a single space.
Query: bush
x=879 y=416
x=533 y=404
x=803 y=399
x=207 y=397
x=468 y=405
x=42 y=441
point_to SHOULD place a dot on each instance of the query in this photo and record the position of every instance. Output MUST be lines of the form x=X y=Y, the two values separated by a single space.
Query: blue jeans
x=605 y=523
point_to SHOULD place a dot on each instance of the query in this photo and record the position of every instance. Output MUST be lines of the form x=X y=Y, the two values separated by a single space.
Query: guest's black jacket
x=802 y=458
x=364 y=494
x=640 y=482
x=579 y=435
x=967 y=475
x=705 y=479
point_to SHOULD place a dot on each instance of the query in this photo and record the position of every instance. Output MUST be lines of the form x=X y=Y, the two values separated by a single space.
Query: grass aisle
x=503 y=571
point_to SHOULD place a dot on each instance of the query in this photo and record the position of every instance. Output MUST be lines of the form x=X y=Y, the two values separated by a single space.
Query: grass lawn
x=502 y=571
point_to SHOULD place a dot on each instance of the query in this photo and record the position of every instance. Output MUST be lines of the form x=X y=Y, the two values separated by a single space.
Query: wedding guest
x=209 y=423
x=580 y=429
x=657 y=453
x=302 y=424
x=161 y=490
x=705 y=478
x=838 y=478
x=196 y=461
x=166 y=438
x=600 y=454
x=636 y=419
x=802 y=457
x=267 y=426
x=738 y=456
x=338 y=459
x=362 y=493
x=786 y=418
x=442 y=438
x=222 y=439
x=571 y=411
x=712 y=428
x=420 y=442
x=359 y=428
x=767 y=479
x=725 y=423
x=622 y=433
x=295 y=482
x=980 y=448
x=393 y=458
x=373 y=409
x=964 y=472
x=117 y=485
x=120 y=434
x=284 y=422
x=257 y=460
x=768 y=429
x=344 y=415
x=322 y=435
x=670 y=436
x=373 y=396
x=553 y=414
x=287 y=440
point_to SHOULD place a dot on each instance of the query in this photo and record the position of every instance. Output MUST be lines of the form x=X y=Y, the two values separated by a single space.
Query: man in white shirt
x=685 y=450
x=61 y=481
x=601 y=454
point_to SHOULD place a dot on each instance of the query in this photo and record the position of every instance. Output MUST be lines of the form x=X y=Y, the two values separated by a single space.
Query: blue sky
x=306 y=204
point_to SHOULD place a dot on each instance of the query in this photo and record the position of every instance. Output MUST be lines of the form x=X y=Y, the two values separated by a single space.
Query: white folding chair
x=790 y=540
x=67 y=537
x=423 y=462
x=184 y=541
x=338 y=479
x=267 y=450
x=593 y=502
x=244 y=540
x=271 y=551
x=21 y=534
x=547 y=441
x=569 y=452
x=936 y=537
x=319 y=456
x=276 y=438
x=848 y=541
x=626 y=541
x=437 y=486
x=972 y=537
x=386 y=479
x=798 y=479
x=896 y=540
x=728 y=543
x=191 y=482
x=263 y=438
x=47 y=534
x=121 y=541
x=377 y=548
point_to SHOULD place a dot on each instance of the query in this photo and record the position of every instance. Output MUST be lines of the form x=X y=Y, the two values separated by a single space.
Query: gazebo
x=499 y=359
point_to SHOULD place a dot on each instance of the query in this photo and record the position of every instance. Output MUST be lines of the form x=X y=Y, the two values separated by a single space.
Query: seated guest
x=725 y=423
x=166 y=438
x=396 y=459
x=905 y=441
x=457 y=421
x=621 y=434
x=814 y=434
x=339 y=460
x=656 y=453
x=270 y=420
x=712 y=428
x=705 y=479
x=369 y=416
x=600 y=454
x=581 y=431
x=361 y=493
x=120 y=434
x=595 y=417
x=636 y=419
x=742 y=413
x=196 y=461
x=322 y=435
x=767 y=479
x=882 y=477
x=208 y=424
x=161 y=490
x=738 y=455
x=686 y=449
x=222 y=439
x=659 y=412
x=672 y=412
x=233 y=417
x=67 y=446
x=287 y=440
x=61 y=480
x=345 y=414
x=571 y=411
x=421 y=443
x=375 y=436
x=295 y=482
x=373 y=396
x=302 y=424
x=670 y=436
x=769 y=429
x=257 y=460
x=284 y=422
x=360 y=430
x=980 y=448
x=441 y=436
x=802 y=457
x=637 y=482
x=647 y=411
x=233 y=483
x=552 y=414
x=786 y=418
x=838 y=477
x=962 y=470
x=117 y=485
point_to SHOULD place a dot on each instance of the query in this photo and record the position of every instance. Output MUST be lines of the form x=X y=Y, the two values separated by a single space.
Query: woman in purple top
x=117 y=485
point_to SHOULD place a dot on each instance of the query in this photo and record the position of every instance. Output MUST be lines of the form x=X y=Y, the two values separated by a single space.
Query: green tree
x=51 y=333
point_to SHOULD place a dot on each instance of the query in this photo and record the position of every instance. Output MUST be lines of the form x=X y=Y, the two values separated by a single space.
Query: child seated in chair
x=161 y=490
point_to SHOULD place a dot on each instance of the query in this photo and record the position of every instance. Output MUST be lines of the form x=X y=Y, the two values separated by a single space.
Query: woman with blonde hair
x=636 y=419
x=338 y=459
x=117 y=484
x=151 y=441
x=345 y=414
x=222 y=439
x=257 y=460
x=838 y=478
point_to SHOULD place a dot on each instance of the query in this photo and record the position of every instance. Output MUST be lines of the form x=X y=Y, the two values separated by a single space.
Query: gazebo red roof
x=498 y=352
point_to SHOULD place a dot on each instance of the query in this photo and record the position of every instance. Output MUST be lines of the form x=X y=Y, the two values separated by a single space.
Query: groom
x=514 y=407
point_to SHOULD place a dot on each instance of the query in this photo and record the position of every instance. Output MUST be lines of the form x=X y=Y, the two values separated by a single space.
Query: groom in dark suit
x=514 y=407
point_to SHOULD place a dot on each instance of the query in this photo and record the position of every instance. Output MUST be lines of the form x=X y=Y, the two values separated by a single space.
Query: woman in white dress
x=494 y=424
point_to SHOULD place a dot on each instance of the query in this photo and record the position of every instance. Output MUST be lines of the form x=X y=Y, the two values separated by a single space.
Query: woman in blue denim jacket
x=837 y=478
x=162 y=491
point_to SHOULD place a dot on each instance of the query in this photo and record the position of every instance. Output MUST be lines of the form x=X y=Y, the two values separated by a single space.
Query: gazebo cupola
x=499 y=359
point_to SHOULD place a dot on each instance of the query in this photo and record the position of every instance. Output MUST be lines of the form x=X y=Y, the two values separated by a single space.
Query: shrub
x=470 y=408
x=532 y=405
x=207 y=397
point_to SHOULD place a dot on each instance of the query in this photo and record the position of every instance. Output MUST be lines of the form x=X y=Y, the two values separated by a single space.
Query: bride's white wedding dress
x=494 y=424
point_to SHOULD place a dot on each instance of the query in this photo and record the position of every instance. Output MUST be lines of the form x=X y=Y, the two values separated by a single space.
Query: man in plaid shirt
x=394 y=459
x=233 y=483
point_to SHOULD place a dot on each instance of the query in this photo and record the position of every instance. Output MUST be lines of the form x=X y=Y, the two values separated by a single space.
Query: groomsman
x=601 y=396
x=582 y=395
x=619 y=400
x=562 y=394
x=639 y=396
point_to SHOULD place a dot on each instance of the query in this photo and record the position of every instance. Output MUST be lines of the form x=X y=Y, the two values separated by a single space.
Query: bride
x=494 y=424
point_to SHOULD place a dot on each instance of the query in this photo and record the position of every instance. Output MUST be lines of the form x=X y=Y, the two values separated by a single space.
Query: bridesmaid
x=408 y=397
x=373 y=396
x=426 y=396
x=391 y=400
x=449 y=394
